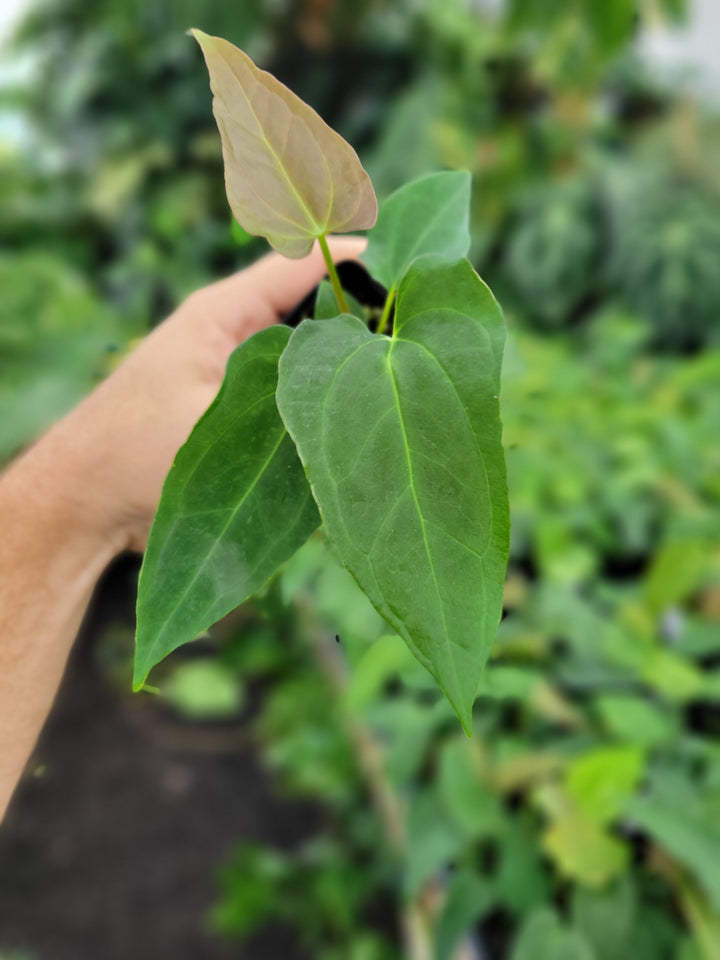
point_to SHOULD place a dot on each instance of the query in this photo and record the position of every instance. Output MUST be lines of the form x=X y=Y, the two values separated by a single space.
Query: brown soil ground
x=112 y=841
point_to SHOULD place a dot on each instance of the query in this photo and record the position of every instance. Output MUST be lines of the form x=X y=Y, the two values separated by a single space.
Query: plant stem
x=386 y=309
x=416 y=935
x=699 y=916
x=415 y=926
x=333 y=274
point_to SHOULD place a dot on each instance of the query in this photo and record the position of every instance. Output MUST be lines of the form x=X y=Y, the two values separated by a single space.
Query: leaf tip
x=463 y=711
x=204 y=39
x=140 y=675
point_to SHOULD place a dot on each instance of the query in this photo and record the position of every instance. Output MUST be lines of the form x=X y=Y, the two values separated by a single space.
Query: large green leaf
x=585 y=850
x=544 y=937
x=289 y=176
x=235 y=506
x=606 y=917
x=433 y=841
x=401 y=442
x=688 y=828
x=469 y=801
x=601 y=781
x=203 y=688
x=428 y=216
x=469 y=896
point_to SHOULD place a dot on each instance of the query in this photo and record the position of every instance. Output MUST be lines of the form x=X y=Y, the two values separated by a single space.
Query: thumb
x=282 y=282
x=264 y=292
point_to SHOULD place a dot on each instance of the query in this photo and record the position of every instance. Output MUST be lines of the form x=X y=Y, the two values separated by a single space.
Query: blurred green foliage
x=56 y=340
x=580 y=822
x=591 y=780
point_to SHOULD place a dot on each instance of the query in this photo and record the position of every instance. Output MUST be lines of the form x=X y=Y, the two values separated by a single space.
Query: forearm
x=90 y=487
x=53 y=548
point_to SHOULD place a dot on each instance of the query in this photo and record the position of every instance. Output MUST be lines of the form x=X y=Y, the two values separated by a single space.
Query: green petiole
x=386 y=309
x=333 y=274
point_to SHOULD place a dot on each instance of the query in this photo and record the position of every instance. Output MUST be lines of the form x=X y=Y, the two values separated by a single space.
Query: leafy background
x=581 y=820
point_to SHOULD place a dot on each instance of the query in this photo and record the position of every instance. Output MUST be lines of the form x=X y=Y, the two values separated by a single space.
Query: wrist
x=58 y=483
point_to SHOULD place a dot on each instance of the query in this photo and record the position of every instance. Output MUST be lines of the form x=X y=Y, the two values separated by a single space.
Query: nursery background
x=292 y=795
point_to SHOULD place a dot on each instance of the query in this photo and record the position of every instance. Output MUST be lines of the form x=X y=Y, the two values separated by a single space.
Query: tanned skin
x=88 y=489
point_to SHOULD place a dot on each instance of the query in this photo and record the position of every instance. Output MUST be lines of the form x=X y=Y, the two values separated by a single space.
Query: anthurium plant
x=384 y=430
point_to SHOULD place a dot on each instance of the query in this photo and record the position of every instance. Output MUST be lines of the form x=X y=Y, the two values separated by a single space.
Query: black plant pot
x=355 y=280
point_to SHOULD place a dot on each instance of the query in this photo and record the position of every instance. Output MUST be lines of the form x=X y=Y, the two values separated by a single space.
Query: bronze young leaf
x=289 y=177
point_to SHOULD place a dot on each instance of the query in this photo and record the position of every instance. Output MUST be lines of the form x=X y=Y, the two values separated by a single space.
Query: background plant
x=605 y=668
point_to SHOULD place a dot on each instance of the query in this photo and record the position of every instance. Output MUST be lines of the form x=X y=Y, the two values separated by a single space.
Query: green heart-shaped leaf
x=401 y=442
x=289 y=176
x=235 y=506
x=427 y=216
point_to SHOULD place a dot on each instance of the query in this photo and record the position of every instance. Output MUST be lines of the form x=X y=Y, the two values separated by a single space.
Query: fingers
x=282 y=283
x=263 y=293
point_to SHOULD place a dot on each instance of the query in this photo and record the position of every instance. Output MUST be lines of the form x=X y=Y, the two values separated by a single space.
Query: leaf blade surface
x=428 y=216
x=235 y=506
x=401 y=442
x=289 y=176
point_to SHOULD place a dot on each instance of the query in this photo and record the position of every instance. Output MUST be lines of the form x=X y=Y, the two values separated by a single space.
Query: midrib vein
x=218 y=539
x=408 y=457
x=279 y=162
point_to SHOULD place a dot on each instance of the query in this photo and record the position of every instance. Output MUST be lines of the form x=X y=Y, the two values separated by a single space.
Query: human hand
x=121 y=441
x=89 y=487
